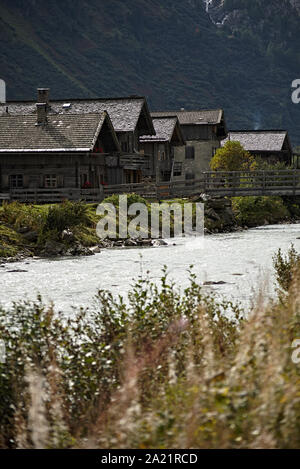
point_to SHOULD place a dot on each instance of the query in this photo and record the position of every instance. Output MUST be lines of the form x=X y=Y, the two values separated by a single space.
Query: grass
x=10 y=241
x=48 y=223
x=164 y=369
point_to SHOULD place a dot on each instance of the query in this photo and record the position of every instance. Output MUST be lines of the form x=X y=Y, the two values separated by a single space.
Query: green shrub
x=131 y=199
x=19 y=215
x=90 y=349
x=231 y=157
x=68 y=214
x=10 y=241
x=164 y=369
x=255 y=211
x=285 y=267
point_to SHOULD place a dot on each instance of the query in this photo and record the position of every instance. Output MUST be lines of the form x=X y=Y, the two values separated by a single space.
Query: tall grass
x=165 y=369
x=48 y=222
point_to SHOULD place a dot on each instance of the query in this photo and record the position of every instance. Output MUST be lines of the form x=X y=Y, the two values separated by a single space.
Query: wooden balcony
x=135 y=161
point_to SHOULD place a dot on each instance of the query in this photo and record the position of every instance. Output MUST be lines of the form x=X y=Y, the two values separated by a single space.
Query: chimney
x=43 y=95
x=2 y=91
x=41 y=111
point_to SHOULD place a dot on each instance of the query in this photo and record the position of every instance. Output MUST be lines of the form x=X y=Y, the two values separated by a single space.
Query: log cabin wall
x=65 y=171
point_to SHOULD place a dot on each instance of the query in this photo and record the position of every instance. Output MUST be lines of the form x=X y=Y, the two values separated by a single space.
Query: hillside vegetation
x=169 y=50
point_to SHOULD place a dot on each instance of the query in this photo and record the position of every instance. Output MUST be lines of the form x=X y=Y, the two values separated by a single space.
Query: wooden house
x=272 y=146
x=203 y=131
x=130 y=119
x=48 y=157
x=160 y=147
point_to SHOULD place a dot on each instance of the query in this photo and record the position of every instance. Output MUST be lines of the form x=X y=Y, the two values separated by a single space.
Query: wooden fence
x=234 y=183
x=56 y=195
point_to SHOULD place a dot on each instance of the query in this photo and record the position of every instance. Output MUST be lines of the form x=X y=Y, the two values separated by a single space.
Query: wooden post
x=206 y=182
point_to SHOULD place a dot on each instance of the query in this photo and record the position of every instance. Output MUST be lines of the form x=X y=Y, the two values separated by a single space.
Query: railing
x=281 y=182
x=234 y=183
x=4 y=196
x=56 y=195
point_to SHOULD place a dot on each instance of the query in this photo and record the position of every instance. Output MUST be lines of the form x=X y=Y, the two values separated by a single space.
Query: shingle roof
x=124 y=112
x=206 y=116
x=61 y=133
x=164 y=128
x=258 y=140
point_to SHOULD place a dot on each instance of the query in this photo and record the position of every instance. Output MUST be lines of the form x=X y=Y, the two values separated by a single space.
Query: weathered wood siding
x=70 y=170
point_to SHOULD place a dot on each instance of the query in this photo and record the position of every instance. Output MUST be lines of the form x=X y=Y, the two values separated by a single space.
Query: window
x=16 y=181
x=190 y=153
x=50 y=180
x=177 y=169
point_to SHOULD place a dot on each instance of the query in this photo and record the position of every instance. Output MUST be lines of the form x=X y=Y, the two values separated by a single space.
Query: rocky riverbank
x=54 y=248
x=219 y=215
x=68 y=229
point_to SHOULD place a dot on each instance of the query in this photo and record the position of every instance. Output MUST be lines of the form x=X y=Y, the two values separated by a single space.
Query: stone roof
x=124 y=112
x=164 y=128
x=206 y=116
x=61 y=133
x=259 y=140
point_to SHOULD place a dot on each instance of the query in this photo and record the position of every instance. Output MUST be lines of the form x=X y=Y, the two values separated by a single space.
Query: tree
x=232 y=157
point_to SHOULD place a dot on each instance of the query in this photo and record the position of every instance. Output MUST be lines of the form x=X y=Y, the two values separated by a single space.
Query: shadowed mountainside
x=169 y=50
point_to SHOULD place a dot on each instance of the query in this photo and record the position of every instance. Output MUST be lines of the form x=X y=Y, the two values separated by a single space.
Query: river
x=243 y=260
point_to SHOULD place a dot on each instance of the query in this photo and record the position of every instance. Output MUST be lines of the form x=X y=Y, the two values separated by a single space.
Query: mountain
x=241 y=55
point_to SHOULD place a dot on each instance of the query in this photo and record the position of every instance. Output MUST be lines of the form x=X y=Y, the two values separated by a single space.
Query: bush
x=66 y=215
x=83 y=360
x=161 y=369
x=47 y=222
x=255 y=211
x=131 y=199
x=19 y=215
x=231 y=157
x=285 y=267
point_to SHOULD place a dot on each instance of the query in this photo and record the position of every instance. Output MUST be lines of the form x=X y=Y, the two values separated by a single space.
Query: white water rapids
x=242 y=260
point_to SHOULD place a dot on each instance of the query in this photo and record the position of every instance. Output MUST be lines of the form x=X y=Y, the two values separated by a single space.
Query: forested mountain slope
x=241 y=55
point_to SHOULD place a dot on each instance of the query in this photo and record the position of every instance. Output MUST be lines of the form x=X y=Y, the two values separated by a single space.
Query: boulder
x=17 y=270
x=53 y=248
x=23 y=229
x=214 y=283
x=130 y=242
x=105 y=243
x=31 y=236
x=159 y=242
x=210 y=213
x=79 y=250
x=145 y=242
x=68 y=236
x=95 y=249
x=118 y=243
